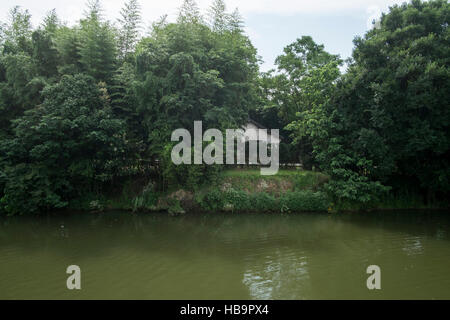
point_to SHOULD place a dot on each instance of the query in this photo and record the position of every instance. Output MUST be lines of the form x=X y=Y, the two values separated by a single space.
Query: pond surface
x=226 y=256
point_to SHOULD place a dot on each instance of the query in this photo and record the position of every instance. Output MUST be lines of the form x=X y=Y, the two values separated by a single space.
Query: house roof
x=260 y=126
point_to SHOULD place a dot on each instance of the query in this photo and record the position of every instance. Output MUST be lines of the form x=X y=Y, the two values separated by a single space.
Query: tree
x=306 y=80
x=98 y=50
x=20 y=88
x=44 y=48
x=301 y=68
x=68 y=145
x=94 y=10
x=45 y=53
x=123 y=101
x=388 y=123
x=16 y=34
x=188 y=72
x=21 y=76
x=189 y=12
x=218 y=18
x=129 y=28
x=68 y=44
x=51 y=22
x=235 y=21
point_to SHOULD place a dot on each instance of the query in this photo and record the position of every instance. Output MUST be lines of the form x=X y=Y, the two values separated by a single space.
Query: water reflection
x=214 y=256
x=413 y=246
x=273 y=278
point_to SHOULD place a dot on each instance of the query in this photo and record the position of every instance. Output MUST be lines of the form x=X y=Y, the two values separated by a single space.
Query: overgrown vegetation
x=86 y=108
x=382 y=128
x=83 y=105
x=240 y=201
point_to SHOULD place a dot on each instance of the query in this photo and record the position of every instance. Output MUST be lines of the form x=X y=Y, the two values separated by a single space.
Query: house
x=251 y=129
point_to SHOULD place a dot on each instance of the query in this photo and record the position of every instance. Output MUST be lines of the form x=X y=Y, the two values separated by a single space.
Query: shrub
x=212 y=201
x=238 y=200
x=147 y=199
x=304 y=201
x=264 y=202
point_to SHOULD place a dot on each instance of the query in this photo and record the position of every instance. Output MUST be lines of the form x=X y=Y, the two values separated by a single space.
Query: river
x=226 y=256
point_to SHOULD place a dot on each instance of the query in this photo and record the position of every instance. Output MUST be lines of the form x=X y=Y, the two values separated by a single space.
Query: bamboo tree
x=130 y=24
x=189 y=12
x=218 y=18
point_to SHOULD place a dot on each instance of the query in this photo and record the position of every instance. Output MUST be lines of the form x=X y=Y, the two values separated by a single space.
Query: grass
x=238 y=201
x=285 y=179
x=246 y=190
x=241 y=190
x=257 y=173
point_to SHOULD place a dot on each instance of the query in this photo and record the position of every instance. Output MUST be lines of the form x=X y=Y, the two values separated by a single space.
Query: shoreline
x=239 y=191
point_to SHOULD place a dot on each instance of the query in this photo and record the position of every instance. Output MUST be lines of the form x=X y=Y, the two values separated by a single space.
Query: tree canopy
x=385 y=122
x=84 y=106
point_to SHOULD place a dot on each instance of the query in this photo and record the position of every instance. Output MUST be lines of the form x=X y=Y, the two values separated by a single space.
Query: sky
x=270 y=24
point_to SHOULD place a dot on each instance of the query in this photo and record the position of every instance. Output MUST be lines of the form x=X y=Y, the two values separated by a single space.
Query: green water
x=225 y=256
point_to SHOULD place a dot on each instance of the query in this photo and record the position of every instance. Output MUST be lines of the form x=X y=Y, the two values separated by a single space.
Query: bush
x=212 y=201
x=304 y=201
x=264 y=202
x=30 y=189
x=237 y=200
x=241 y=201
x=175 y=207
x=148 y=199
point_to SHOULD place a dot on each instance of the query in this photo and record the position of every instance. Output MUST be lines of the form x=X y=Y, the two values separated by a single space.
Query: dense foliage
x=384 y=124
x=240 y=201
x=389 y=121
x=62 y=147
x=84 y=107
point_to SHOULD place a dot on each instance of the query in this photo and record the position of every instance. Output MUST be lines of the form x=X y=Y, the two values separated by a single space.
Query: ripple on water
x=225 y=257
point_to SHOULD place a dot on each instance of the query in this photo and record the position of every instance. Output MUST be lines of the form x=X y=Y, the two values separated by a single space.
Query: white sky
x=71 y=10
x=258 y=14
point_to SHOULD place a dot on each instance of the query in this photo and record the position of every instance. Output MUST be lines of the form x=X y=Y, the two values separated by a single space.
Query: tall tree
x=44 y=48
x=235 y=21
x=189 y=12
x=389 y=119
x=130 y=24
x=68 y=44
x=306 y=80
x=51 y=22
x=98 y=49
x=298 y=65
x=218 y=18
x=17 y=90
x=187 y=72
x=16 y=33
x=93 y=10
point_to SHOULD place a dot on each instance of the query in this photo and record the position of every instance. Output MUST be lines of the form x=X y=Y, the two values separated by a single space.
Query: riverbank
x=237 y=190
x=242 y=191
